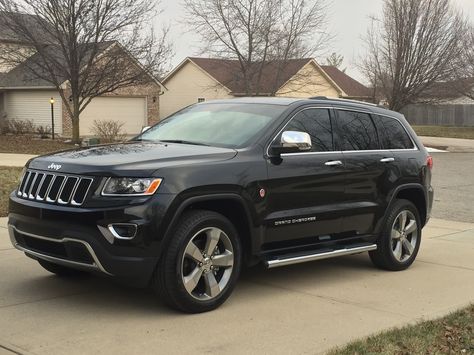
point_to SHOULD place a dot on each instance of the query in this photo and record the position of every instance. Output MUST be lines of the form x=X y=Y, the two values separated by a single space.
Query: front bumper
x=73 y=237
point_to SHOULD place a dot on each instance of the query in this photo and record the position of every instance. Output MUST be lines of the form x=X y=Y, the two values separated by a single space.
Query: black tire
x=168 y=279
x=384 y=257
x=60 y=270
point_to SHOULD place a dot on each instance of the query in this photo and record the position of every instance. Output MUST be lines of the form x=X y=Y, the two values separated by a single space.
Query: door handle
x=387 y=160
x=333 y=163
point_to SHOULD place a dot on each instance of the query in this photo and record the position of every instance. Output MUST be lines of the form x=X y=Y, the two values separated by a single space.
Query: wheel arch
x=414 y=193
x=230 y=205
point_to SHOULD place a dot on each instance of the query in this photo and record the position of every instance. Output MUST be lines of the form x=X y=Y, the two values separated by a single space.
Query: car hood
x=129 y=159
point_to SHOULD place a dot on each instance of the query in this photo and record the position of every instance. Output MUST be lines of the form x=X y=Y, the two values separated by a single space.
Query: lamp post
x=51 y=101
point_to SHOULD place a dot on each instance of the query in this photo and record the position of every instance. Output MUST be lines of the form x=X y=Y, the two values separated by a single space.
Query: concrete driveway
x=307 y=308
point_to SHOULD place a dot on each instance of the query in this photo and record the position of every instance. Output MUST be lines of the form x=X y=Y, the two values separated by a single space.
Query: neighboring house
x=24 y=96
x=201 y=79
x=444 y=104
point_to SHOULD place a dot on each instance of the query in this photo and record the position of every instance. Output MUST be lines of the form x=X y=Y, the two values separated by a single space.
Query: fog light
x=125 y=231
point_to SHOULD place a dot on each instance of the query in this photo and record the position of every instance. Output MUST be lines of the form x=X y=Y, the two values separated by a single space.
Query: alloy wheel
x=404 y=235
x=207 y=263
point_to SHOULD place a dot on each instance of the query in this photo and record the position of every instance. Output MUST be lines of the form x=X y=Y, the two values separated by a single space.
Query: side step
x=284 y=260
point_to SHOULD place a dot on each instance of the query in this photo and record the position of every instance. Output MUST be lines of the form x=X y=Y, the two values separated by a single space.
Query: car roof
x=320 y=100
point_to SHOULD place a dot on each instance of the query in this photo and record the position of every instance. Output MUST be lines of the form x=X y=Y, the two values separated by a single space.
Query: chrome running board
x=284 y=260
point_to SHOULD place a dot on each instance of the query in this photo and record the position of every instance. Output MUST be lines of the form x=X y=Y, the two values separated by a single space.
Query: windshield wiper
x=180 y=141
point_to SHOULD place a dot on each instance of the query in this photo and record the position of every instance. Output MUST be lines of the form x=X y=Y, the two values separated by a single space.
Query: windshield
x=220 y=125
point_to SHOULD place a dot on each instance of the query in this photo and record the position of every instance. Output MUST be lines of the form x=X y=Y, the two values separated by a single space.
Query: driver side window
x=317 y=123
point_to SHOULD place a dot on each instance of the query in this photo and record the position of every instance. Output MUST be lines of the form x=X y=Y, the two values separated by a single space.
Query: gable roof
x=350 y=86
x=22 y=76
x=33 y=22
x=227 y=72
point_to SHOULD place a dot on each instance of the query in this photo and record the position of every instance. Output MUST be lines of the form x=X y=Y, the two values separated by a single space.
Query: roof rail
x=343 y=100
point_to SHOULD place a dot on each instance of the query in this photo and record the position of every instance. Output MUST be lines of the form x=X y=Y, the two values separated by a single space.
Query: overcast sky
x=348 y=21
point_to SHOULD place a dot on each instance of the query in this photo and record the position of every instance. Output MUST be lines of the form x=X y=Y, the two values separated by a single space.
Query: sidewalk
x=19 y=160
x=454 y=145
x=305 y=308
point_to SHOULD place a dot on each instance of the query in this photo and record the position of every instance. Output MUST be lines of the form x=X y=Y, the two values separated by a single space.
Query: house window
x=201 y=99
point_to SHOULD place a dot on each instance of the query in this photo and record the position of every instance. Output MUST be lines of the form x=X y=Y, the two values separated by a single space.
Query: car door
x=367 y=167
x=305 y=190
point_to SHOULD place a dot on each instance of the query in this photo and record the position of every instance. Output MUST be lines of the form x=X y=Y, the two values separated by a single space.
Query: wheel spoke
x=193 y=252
x=395 y=234
x=410 y=227
x=212 y=287
x=408 y=247
x=397 y=253
x=223 y=260
x=213 y=236
x=402 y=221
x=191 y=281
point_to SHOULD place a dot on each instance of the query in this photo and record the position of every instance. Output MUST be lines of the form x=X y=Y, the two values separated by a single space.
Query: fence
x=440 y=115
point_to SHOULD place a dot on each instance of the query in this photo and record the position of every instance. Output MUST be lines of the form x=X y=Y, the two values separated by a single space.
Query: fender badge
x=54 y=166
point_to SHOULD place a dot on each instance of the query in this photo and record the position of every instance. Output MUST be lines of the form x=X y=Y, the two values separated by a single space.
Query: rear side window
x=356 y=131
x=392 y=134
x=317 y=123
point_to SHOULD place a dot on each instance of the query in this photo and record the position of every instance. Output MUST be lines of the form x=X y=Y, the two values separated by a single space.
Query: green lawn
x=453 y=334
x=445 y=131
x=9 y=178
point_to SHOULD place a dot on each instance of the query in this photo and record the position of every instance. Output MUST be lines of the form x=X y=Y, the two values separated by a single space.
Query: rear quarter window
x=392 y=134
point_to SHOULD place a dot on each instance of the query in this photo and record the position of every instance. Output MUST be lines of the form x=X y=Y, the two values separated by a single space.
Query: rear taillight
x=429 y=162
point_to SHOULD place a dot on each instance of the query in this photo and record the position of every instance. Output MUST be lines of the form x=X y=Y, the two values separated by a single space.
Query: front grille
x=54 y=188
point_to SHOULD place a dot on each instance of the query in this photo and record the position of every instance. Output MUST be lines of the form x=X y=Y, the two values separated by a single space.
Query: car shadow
x=100 y=294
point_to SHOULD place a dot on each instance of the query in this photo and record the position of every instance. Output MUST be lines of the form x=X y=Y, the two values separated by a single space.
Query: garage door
x=34 y=105
x=131 y=111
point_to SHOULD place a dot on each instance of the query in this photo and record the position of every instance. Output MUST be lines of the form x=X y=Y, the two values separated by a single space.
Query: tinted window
x=356 y=131
x=392 y=134
x=317 y=123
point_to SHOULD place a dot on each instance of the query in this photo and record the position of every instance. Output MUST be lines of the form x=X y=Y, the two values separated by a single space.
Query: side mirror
x=292 y=142
x=146 y=128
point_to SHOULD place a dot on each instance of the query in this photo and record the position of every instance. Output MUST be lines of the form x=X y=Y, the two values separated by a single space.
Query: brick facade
x=151 y=92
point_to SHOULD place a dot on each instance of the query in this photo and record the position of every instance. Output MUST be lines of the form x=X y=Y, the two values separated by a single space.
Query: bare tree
x=335 y=60
x=86 y=48
x=412 y=46
x=259 y=32
x=463 y=80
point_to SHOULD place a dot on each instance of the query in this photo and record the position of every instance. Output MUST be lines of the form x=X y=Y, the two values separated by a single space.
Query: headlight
x=131 y=186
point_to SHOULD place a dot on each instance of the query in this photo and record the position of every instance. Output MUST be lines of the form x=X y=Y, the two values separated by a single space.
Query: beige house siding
x=309 y=81
x=186 y=86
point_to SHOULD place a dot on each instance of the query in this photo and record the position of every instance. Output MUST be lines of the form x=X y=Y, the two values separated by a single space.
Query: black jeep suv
x=228 y=183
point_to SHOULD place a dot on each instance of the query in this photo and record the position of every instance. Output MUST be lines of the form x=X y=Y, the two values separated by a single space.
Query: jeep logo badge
x=53 y=166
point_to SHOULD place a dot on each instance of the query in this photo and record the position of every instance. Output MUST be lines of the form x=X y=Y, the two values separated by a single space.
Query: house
x=24 y=96
x=201 y=79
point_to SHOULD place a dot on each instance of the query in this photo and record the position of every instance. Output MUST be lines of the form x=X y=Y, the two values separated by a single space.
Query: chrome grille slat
x=45 y=187
x=23 y=183
x=32 y=184
x=74 y=199
x=27 y=185
x=68 y=195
